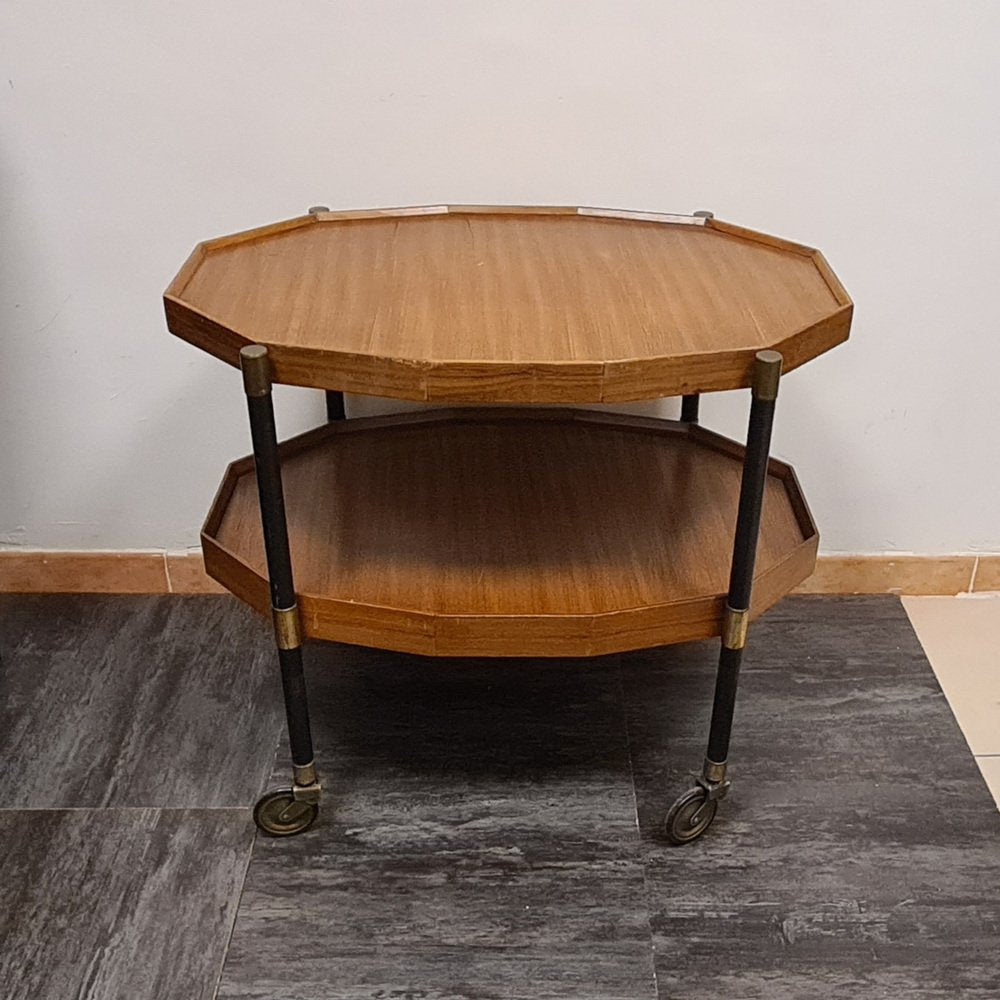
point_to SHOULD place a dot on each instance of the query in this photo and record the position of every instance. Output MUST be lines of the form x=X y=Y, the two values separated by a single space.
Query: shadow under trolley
x=510 y=520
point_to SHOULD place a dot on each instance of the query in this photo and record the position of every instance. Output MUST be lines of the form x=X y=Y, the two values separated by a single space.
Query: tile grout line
x=972 y=579
x=166 y=573
x=192 y=808
x=246 y=871
x=236 y=914
x=268 y=769
x=638 y=831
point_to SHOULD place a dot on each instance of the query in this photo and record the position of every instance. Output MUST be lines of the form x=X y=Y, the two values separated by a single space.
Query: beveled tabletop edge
x=616 y=380
x=462 y=381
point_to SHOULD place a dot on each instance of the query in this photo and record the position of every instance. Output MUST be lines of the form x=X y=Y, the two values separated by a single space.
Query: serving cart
x=518 y=529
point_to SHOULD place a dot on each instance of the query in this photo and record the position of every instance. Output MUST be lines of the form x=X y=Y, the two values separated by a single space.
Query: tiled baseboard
x=43 y=572
x=915 y=575
x=182 y=573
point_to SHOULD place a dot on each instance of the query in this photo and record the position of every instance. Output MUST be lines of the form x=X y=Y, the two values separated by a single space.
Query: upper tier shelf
x=471 y=304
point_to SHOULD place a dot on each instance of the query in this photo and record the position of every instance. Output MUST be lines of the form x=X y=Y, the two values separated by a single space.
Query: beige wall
x=131 y=131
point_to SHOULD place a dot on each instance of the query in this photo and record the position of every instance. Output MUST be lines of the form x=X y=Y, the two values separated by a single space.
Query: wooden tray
x=510 y=532
x=489 y=304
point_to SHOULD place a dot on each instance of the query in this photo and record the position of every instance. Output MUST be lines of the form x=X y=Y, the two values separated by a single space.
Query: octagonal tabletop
x=553 y=532
x=470 y=304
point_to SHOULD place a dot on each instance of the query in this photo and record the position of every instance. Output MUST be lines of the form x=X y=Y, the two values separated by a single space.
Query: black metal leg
x=334 y=400
x=689 y=408
x=694 y=811
x=293 y=810
x=335 y=405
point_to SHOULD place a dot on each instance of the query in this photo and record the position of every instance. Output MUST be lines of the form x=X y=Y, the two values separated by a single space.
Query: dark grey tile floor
x=490 y=827
x=135 y=701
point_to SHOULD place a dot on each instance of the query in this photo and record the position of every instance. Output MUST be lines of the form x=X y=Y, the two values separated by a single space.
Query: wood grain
x=470 y=304
x=510 y=532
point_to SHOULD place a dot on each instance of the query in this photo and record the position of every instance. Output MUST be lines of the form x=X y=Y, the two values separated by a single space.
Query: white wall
x=131 y=131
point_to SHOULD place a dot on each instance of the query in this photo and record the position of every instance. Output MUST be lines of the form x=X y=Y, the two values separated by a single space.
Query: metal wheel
x=280 y=814
x=690 y=816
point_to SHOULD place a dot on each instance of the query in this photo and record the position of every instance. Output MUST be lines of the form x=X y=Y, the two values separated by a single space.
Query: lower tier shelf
x=510 y=532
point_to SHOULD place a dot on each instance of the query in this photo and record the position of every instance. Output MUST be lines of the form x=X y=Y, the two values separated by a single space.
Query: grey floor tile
x=478 y=841
x=463 y=924
x=478 y=836
x=134 y=701
x=108 y=904
x=859 y=851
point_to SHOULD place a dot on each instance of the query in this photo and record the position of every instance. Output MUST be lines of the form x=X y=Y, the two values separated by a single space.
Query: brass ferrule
x=304 y=774
x=287 y=627
x=766 y=375
x=734 y=627
x=713 y=772
x=256 y=370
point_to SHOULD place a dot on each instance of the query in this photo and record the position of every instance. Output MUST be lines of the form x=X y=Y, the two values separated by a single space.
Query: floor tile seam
x=236 y=916
x=111 y=809
x=268 y=772
x=972 y=579
x=166 y=573
x=638 y=833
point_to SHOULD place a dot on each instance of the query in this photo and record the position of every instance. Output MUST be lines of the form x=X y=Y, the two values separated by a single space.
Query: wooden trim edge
x=43 y=571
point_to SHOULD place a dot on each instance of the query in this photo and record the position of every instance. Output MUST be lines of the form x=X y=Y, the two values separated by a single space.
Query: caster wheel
x=280 y=814
x=689 y=817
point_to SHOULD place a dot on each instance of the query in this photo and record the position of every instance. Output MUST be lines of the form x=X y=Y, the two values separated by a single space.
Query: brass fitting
x=304 y=774
x=287 y=627
x=766 y=375
x=256 y=370
x=305 y=784
x=714 y=773
x=734 y=627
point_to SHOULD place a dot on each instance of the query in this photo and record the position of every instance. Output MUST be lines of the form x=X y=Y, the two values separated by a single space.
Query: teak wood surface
x=488 y=304
x=510 y=532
